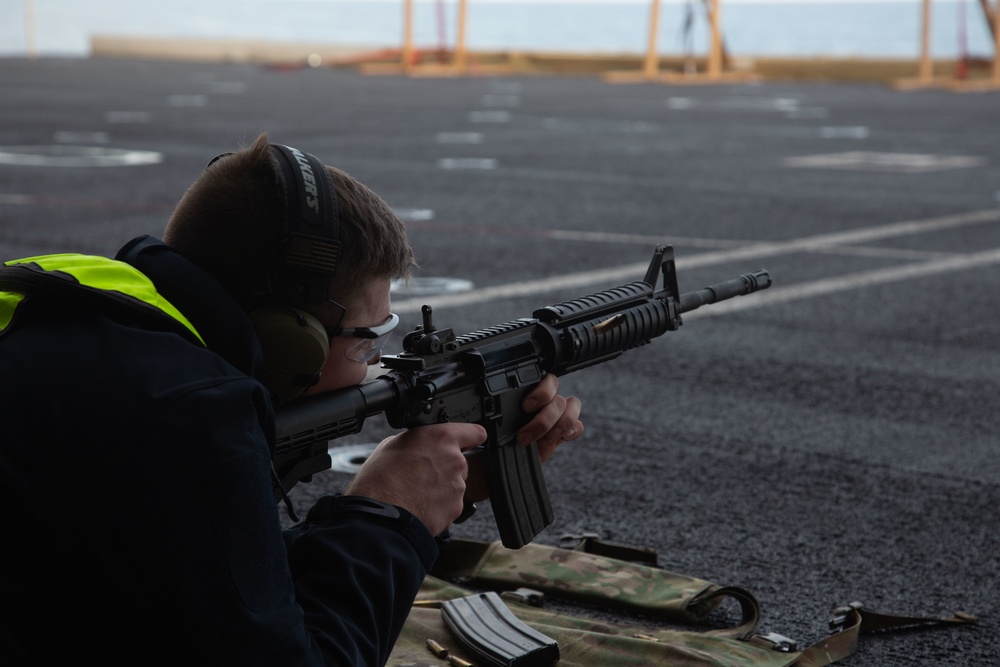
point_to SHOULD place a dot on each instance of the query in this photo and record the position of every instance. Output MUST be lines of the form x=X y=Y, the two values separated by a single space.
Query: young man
x=137 y=406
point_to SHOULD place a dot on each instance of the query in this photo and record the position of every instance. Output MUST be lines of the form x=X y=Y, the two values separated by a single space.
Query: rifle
x=482 y=377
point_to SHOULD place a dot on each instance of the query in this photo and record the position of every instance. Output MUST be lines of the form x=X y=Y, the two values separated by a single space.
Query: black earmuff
x=294 y=343
x=310 y=250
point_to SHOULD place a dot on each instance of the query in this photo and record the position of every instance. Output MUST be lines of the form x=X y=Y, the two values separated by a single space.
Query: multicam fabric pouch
x=589 y=576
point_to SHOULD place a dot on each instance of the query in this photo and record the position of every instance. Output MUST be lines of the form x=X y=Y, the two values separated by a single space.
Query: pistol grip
x=518 y=494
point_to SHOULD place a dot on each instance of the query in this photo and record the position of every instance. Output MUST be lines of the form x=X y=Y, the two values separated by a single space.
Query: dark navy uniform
x=139 y=523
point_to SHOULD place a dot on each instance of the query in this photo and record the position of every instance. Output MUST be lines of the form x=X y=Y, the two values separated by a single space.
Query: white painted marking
x=76 y=156
x=459 y=137
x=617 y=275
x=785 y=104
x=414 y=214
x=598 y=125
x=820 y=242
x=188 y=100
x=637 y=239
x=81 y=137
x=349 y=458
x=430 y=286
x=489 y=116
x=608 y=277
x=467 y=163
x=508 y=101
x=847 y=132
x=679 y=103
x=882 y=253
x=17 y=200
x=780 y=104
x=128 y=117
x=227 y=87
x=808 y=113
x=905 y=163
x=512 y=87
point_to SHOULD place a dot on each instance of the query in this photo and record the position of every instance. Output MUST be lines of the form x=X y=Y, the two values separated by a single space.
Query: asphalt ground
x=829 y=440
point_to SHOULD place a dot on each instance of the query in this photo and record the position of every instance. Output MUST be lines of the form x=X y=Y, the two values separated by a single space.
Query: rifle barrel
x=745 y=284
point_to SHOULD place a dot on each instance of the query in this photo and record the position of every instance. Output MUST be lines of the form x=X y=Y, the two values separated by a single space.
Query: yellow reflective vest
x=85 y=276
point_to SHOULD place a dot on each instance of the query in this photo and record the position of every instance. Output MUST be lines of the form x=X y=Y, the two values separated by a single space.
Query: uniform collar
x=216 y=315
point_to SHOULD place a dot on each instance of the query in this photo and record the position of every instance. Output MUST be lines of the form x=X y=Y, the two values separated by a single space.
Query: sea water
x=750 y=27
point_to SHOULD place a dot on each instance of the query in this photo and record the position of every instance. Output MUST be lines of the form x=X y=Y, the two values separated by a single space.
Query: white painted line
x=81 y=137
x=17 y=200
x=742 y=103
x=847 y=132
x=228 y=87
x=822 y=241
x=414 y=214
x=903 y=163
x=785 y=104
x=489 y=116
x=637 y=239
x=459 y=137
x=430 y=286
x=614 y=276
x=467 y=163
x=808 y=113
x=608 y=277
x=882 y=253
x=495 y=100
x=128 y=117
x=851 y=281
x=510 y=87
x=188 y=100
x=575 y=125
x=61 y=155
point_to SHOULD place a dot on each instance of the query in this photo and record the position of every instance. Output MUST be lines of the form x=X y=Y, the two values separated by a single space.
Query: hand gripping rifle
x=482 y=377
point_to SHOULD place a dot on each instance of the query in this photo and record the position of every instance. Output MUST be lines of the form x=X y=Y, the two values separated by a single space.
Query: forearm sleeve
x=357 y=566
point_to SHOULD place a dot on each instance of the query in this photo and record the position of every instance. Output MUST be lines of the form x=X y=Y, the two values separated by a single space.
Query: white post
x=407 y=35
x=29 y=28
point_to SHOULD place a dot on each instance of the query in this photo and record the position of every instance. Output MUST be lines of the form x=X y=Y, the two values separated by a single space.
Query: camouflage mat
x=581 y=641
x=605 y=582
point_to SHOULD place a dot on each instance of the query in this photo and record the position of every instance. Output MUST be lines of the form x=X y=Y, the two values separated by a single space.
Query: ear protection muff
x=308 y=256
x=294 y=343
x=295 y=347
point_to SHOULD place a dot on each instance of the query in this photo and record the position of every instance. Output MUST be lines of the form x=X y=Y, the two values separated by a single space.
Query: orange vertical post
x=460 y=51
x=652 y=64
x=925 y=72
x=715 y=48
x=996 y=44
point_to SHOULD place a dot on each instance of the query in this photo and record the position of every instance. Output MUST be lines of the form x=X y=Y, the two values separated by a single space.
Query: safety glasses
x=373 y=339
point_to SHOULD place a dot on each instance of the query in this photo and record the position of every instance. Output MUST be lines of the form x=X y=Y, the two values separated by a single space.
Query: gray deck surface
x=834 y=439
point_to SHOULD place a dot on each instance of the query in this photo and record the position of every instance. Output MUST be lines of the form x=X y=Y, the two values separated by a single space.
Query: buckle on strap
x=777 y=642
x=591 y=543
